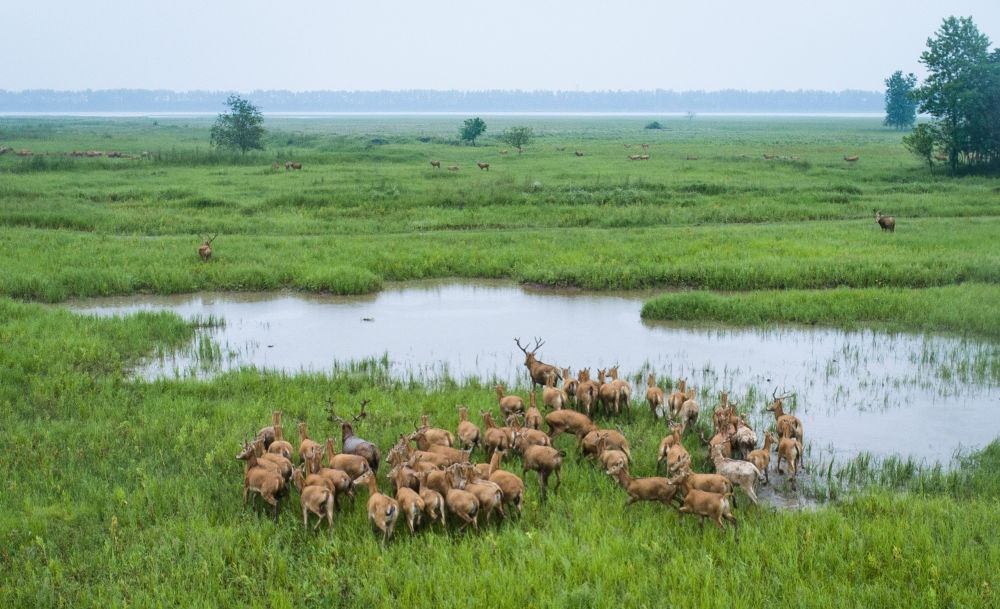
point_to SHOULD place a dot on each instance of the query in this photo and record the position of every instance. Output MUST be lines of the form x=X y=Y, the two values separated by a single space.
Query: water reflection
x=855 y=391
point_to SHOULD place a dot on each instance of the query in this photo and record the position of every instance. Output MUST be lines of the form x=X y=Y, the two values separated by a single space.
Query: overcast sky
x=586 y=45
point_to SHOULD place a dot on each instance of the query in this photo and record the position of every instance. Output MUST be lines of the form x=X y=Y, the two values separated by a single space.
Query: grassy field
x=126 y=492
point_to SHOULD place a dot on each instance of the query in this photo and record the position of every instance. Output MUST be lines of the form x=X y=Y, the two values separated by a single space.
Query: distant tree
x=962 y=78
x=921 y=142
x=471 y=129
x=653 y=125
x=900 y=107
x=241 y=128
x=517 y=137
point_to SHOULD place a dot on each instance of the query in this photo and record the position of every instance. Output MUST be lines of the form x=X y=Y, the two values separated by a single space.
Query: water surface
x=888 y=394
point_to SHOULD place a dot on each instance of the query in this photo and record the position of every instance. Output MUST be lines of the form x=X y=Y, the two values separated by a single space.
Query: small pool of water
x=888 y=394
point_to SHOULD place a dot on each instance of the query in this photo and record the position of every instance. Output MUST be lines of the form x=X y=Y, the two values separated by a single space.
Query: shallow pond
x=918 y=396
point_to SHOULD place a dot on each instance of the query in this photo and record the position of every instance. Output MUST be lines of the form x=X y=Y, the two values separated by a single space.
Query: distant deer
x=888 y=223
x=485 y=166
x=205 y=250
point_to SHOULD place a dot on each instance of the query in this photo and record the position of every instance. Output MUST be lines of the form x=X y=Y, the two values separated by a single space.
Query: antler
x=518 y=341
x=538 y=343
x=333 y=418
x=361 y=414
x=209 y=240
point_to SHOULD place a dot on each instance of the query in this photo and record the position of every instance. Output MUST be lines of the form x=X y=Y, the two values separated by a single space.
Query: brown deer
x=851 y=159
x=436 y=164
x=205 y=249
x=537 y=369
x=888 y=223
x=485 y=166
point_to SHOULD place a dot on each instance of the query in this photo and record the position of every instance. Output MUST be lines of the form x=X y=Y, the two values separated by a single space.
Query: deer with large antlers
x=537 y=369
x=352 y=444
x=786 y=424
x=205 y=249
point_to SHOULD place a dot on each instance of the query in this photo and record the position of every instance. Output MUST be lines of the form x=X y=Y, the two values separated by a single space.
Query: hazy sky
x=447 y=44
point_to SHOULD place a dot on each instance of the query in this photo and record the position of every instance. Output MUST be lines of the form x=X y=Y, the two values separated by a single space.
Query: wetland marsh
x=122 y=489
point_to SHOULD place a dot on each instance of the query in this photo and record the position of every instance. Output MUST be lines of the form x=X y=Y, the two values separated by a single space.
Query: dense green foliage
x=900 y=107
x=517 y=137
x=961 y=93
x=471 y=129
x=241 y=129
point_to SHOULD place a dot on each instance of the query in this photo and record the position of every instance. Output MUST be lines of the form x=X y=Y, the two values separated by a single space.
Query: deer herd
x=433 y=482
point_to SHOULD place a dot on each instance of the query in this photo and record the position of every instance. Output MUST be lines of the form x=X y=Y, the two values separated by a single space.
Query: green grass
x=126 y=492
x=967 y=309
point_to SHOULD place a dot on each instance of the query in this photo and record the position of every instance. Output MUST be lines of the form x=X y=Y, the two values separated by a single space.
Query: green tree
x=241 y=128
x=471 y=129
x=900 y=107
x=956 y=92
x=517 y=137
x=921 y=142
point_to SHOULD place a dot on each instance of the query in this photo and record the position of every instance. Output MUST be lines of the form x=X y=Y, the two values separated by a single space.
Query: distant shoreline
x=450 y=113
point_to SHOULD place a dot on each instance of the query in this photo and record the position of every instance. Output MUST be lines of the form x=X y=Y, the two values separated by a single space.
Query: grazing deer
x=888 y=223
x=850 y=159
x=205 y=250
x=436 y=164
x=485 y=166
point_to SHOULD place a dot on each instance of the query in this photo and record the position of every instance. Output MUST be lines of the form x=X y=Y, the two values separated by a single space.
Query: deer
x=436 y=164
x=645 y=489
x=586 y=391
x=536 y=368
x=411 y=504
x=267 y=483
x=687 y=415
x=469 y=434
x=654 y=396
x=315 y=498
x=571 y=421
x=436 y=435
x=336 y=480
x=353 y=465
x=851 y=159
x=460 y=503
x=353 y=444
x=485 y=166
x=533 y=417
x=493 y=437
x=488 y=493
x=761 y=457
x=305 y=445
x=452 y=167
x=607 y=393
x=741 y=473
x=433 y=501
x=553 y=397
x=510 y=484
x=784 y=423
x=544 y=460
x=570 y=383
x=789 y=449
x=266 y=434
x=509 y=404
x=624 y=391
x=590 y=445
x=675 y=399
x=888 y=223
x=706 y=504
x=205 y=249
x=521 y=436
x=383 y=510
x=272 y=461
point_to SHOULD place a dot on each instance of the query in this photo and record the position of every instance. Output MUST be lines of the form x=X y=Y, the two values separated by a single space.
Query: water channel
x=925 y=397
